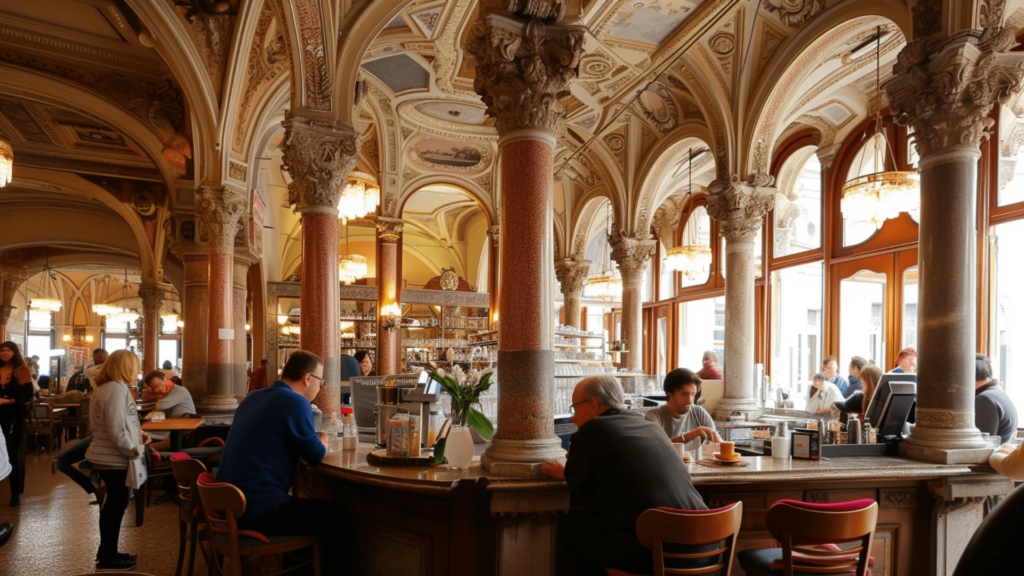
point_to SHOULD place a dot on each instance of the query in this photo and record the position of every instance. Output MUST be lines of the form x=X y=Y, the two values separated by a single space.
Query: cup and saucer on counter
x=727 y=454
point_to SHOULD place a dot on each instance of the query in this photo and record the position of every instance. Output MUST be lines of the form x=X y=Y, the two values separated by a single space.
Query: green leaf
x=483 y=384
x=481 y=424
x=439 y=451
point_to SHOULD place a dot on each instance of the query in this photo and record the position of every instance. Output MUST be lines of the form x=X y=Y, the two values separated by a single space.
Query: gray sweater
x=116 y=432
x=694 y=418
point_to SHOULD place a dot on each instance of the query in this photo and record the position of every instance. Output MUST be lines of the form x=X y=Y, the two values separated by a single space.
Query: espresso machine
x=412 y=400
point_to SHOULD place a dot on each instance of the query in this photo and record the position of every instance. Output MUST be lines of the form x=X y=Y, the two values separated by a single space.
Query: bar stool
x=809 y=534
x=223 y=504
x=659 y=527
x=186 y=473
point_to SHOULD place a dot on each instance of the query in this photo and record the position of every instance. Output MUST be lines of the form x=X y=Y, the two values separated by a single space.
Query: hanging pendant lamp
x=351 y=267
x=690 y=259
x=45 y=303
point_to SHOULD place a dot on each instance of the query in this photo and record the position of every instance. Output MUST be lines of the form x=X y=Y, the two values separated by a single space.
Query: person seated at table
x=79 y=381
x=822 y=394
x=993 y=410
x=830 y=368
x=365 y=363
x=271 y=431
x=173 y=401
x=99 y=356
x=679 y=417
x=710 y=371
x=857 y=363
x=617 y=467
x=73 y=397
x=168 y=369
x=858 y=402
x=906 y=362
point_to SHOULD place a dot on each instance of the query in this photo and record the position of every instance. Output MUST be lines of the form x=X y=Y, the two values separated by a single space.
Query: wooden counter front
x=434 y=520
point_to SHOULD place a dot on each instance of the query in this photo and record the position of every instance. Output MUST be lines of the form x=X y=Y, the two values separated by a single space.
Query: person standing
x=710 y=371
x=79 y=382
x=117 y=440
x=15 y=394
x=258 y=380
x=679 y=417
x=993 y=410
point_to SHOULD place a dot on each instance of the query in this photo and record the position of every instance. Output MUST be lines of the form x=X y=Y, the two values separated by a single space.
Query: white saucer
x=727 y=462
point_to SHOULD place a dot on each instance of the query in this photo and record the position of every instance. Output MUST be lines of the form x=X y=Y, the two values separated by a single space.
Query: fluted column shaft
x=319 y=158
x=633 y=256
x=152 y=298
x=220 y=210
x=945 y=89
x=523 y=66
x=739 y=208
x=573 y=277
x=389 y=352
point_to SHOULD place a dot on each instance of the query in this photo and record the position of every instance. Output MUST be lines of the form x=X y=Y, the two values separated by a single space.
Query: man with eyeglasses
x=618 y=466
x=271 y=430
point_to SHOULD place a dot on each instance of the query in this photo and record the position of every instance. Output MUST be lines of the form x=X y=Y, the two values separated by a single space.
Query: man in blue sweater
x=272 y=429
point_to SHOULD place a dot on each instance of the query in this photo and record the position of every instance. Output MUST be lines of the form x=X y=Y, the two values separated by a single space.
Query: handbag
x=137 y=473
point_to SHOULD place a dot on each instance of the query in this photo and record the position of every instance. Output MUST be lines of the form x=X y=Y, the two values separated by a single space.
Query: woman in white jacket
x=822 y=394
x=117 y=439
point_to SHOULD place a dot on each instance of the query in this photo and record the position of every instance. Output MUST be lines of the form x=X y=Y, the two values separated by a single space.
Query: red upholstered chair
x=660 y=526
x=223 y=504
x=809 y=534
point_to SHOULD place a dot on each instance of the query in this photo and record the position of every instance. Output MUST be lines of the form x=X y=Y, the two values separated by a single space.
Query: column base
x=946 y=446
x=217 y=403
x=728 y=408
x=521 y=457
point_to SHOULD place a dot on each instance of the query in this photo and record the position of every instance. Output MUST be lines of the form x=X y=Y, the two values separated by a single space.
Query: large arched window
x=697 y=232
x=798 y=205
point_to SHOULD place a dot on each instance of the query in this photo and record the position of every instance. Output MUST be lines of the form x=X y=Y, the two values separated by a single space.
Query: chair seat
x=616 y=572
x=195 y=453
x=758 y=561
x=250 y=542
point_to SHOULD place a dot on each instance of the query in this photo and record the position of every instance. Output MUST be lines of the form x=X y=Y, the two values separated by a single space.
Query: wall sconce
x=67 y=338
x=390 y=316
x=248 y=327
x=89 y=338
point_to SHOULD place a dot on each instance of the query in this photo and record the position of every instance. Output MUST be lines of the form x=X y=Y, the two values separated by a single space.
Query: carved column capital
x=632 y=256
x=389 y=230
x=739 y=206
x=944 y=88
x=319 y=158
x=524 y=69
x=573 y=275
x=495 y=234
x=152 y=296
x=220 y=212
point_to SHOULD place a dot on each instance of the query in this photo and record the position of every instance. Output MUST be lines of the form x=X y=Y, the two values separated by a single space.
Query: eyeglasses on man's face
x=572 y=408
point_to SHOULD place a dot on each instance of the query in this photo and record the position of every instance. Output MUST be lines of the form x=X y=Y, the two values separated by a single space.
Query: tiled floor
x=56 y=531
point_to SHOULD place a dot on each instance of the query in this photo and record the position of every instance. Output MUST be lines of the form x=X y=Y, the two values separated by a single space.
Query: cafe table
x=176 y=426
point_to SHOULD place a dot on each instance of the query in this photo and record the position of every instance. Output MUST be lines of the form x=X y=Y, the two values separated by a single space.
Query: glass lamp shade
x=360 y=197
x=6 y=163
x=690 y=260
x=880 y=196
x=45 y=304
x=607 y=287
x=351 y=267
x=106 y=309
x=169 y=319
x=125 y=317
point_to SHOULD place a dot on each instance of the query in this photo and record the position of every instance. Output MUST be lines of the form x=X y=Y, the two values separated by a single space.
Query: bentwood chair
x=809 y=534
x=223 y=504
x=666 y=531
x=41 y=422
x=190 y=514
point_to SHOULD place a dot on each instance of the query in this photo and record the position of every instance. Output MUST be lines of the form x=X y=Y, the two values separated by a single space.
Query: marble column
x=495 y=270
x=319 y=157
x=11 y=278
x=220 y=211
x=739 y=208
x=152 y=298
x=389 y=352
x=573 y=276
x=633 y=256
x=195 y=258
x=522 y=69
x=944 y=88
x=240 y=352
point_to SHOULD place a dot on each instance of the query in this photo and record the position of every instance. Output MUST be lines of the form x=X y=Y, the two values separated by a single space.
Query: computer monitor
x=892 y=403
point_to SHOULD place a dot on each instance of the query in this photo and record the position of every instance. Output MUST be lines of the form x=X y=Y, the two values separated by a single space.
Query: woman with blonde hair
x=117 y=440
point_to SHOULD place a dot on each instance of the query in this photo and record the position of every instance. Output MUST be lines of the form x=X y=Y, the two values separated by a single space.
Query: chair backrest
x=802 y=527
x=223 y=504
x=660 y=526
x=42 y=412
x=186 y=474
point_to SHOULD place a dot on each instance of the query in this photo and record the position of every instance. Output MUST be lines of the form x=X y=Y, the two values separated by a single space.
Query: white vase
x=458 y=448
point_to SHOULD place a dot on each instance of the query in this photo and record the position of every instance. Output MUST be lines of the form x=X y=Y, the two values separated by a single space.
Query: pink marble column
x=220 y=210
x=196 y=261
x=319 y=158
x=389 y=351
x=240 y=274
x=152 y=298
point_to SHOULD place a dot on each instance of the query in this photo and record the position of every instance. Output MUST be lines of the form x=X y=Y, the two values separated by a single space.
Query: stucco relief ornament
x=220 y=211
x=632 y=255
x=449 y=279
x=523 y=71
x=739 y=206
x=795 y=13
x=946 y=88
x=389 y=230
x=573 y=275
x=318 y=158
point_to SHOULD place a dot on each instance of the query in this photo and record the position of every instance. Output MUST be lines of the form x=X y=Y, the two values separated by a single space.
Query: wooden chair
x=186 y=473
x=78 y=422
x=809 y=534
x=42 y=423
x=222 y=505
x=122 y=573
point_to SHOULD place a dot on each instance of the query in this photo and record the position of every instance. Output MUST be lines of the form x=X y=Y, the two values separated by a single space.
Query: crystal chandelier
x=45 y=303
x=6 y=163
x=351 y=267
x=116 y=314
x=881 y=195
x=360 y=197
x=695 y=259
x=607 y=286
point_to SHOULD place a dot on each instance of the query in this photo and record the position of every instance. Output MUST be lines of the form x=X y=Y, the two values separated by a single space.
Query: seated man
x=617 y=467
x=830 y=368
x=79 y=382
x=679 y=417
x=857 y=363
x=272 y=429
x=710 y=371
x=174 y=401
x=993 y=410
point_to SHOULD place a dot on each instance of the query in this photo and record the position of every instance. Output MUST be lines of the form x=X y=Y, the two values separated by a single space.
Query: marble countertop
x=351 y=465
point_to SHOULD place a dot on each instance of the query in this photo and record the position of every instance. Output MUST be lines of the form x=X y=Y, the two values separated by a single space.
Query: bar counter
x=435 y=520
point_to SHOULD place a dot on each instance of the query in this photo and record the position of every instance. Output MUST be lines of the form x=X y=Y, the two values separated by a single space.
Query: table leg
x=176 y=440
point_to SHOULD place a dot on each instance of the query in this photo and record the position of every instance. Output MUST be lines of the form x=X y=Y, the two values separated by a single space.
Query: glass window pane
x=39 y=321
x=667 y=277
x=701 y=328
x=662 y=360
x=111 y=343
x=39 y=345
x=862 y=318
x=168 y=351
x=697 y=233
x=796 y=329
x=910 y=293
x=1013 y=191
x=798 y=209
x=1007 y=346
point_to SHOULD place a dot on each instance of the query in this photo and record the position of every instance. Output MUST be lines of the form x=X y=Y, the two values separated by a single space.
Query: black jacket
x=618 y=466
x=12 y=416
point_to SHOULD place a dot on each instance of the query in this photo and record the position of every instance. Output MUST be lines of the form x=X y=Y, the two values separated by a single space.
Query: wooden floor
x=56 y=531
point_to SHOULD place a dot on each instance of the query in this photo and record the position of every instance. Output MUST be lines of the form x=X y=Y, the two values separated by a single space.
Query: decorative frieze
x=319 y=158
x=220 y=211
x=739 y=206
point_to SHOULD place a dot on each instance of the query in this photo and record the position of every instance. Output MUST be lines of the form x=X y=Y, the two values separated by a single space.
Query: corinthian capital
x=152 y=296
x=739 y=206
x=524 y=69
x=319 y=158
x=220 y=211
x=495 y=234
x=632 y=256
x=389 y=230
x=573 y=275
x=945 y=88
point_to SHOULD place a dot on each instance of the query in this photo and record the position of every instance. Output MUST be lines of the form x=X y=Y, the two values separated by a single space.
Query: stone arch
x=470 y=188
x=583 y=217
x=717 y=119
x=309 y=32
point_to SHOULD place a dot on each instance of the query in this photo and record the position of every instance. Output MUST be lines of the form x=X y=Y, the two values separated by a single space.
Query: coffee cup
x=726 y=450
